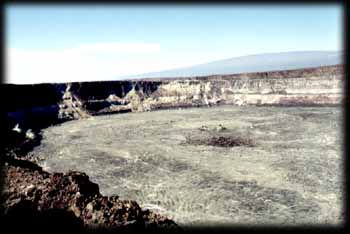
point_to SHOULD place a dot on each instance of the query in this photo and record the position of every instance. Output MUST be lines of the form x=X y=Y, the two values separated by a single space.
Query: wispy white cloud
x=103 y=61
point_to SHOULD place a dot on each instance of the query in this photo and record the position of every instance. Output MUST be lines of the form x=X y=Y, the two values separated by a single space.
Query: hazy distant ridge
x=254 y=63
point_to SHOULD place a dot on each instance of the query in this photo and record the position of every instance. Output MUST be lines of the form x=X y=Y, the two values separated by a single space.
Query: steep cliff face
x=317 y=86
x=52 y=102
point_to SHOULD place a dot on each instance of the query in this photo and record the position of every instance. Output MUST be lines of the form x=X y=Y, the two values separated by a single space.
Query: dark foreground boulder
x=35 y=200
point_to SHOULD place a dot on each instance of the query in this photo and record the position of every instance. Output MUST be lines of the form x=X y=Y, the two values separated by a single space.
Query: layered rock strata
x=54 y=102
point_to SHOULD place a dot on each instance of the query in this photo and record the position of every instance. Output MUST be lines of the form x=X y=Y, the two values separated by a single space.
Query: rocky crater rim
x=39 y=106
x=65 y=101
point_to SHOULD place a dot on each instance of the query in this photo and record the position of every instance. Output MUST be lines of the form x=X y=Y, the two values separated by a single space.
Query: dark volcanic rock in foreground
x=37 y=200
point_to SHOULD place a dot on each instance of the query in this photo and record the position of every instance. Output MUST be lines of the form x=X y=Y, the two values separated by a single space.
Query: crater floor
x=291 y=175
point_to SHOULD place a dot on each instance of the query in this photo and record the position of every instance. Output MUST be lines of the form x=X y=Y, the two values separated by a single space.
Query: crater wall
x=314 y=86
x=47 y=103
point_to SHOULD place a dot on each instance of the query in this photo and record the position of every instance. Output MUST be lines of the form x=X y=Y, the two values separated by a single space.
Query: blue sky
x=103 y=42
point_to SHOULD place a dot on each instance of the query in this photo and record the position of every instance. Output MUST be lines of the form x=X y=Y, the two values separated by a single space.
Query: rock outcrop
x=40 y=199
x=71 y=106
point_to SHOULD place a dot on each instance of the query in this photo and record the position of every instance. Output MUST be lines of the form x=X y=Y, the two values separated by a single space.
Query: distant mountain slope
x=254 y=63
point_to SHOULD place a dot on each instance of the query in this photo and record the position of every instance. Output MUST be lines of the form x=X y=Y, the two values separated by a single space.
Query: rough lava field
x=290 y=172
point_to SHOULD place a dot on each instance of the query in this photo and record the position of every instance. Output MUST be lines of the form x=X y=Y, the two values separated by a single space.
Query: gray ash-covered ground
x=219 y=165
